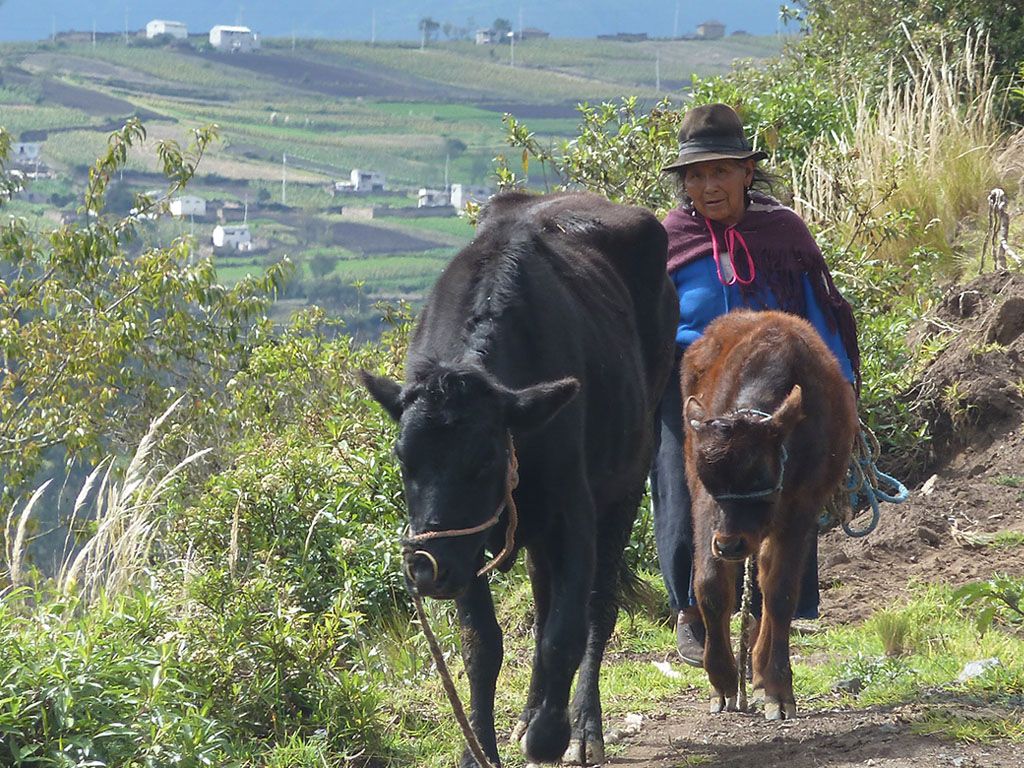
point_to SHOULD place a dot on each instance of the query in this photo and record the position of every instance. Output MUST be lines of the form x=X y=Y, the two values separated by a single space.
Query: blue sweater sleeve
x=816 y=317
x=702 y=298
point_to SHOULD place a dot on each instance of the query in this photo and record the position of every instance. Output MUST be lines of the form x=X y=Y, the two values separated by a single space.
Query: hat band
x=723 y=144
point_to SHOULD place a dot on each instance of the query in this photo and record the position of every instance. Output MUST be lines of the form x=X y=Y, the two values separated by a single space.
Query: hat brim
x=690 y=158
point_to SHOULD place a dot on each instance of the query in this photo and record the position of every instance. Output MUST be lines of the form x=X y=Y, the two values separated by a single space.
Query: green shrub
x=103 y=686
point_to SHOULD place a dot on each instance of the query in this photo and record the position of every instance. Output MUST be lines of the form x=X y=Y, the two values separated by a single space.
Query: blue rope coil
x=867 y=481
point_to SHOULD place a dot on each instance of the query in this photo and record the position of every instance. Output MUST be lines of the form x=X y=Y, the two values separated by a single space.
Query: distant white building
x=466 y=193
x=367 y=181
x=226 y=38
x=432 y=198
x=175 y=29
x=188 y=205
x=235 y=236
x=485 y=37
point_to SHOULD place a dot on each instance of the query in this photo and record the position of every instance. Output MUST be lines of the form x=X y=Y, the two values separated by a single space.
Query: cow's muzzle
x=425 y=574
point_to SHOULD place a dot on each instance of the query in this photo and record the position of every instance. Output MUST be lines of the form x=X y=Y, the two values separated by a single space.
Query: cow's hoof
x=589 y=752
x=775 y=709
x=547 y=736
x=518 y=732
x=468 y=761
x=721 y=703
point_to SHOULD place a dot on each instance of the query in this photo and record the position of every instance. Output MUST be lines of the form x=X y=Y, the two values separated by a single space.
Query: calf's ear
x=790 y=411
x=385 y=391
x=534 y=406
x=693 y=412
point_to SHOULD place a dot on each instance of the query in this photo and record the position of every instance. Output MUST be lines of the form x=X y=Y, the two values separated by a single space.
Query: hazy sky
x=390 y=19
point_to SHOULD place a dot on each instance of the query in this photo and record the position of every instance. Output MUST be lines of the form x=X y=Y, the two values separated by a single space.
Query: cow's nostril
x=422 y=569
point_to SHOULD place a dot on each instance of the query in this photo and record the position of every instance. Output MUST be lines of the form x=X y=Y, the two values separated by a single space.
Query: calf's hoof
x=722 y=703
x=547 y=736
x=776 y=709
x=584 y=752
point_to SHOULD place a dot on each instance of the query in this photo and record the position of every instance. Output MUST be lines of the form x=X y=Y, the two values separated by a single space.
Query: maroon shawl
x=782 y=249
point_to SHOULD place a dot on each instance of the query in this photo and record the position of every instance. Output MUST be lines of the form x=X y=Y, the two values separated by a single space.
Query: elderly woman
x=730 y=246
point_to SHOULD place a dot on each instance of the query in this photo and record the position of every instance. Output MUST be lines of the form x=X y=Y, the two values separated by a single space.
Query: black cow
x=548 y=338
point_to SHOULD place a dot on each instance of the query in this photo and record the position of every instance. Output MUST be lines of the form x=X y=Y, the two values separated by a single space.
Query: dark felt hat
x=712 y=132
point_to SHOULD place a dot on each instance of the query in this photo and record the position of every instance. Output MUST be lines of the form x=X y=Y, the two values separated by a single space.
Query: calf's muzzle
x=729 y=547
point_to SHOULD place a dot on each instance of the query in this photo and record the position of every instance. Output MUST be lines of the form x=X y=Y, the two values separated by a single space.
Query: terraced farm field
x=295 y=117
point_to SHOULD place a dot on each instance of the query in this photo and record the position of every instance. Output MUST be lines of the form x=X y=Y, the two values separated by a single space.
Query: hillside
x=342 y=104
x=298 y=115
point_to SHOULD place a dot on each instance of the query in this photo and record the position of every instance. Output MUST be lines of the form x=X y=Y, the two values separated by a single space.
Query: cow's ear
x=385 y=391
x=693 y=412
x=790 y=412
x=533 y=406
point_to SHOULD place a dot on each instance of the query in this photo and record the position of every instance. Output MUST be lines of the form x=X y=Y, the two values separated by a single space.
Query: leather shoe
x=690 y=639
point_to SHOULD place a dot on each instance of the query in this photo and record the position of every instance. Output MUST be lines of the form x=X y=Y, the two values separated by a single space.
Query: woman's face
x=717 y=188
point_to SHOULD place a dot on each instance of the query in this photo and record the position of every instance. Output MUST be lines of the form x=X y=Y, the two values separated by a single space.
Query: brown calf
x=770 y=423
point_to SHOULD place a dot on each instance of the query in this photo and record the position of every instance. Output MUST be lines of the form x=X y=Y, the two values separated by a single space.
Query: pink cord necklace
x=732 y=237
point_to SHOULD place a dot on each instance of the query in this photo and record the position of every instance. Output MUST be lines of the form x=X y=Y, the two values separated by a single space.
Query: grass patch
x=1008 y=539
x=982 y=726
x=938 y=637
x=1009 y=481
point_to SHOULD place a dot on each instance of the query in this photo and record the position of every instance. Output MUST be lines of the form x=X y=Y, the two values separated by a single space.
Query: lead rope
x=511 y=481
x=449 y=687
x=748 y=588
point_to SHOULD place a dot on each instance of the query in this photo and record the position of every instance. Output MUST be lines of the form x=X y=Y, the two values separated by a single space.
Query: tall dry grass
x=916 y=159
x=125 y=518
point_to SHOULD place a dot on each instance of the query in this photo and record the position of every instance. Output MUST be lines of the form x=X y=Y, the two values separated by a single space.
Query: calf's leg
x=482 y=654
x=715 y=587
x=781 y=565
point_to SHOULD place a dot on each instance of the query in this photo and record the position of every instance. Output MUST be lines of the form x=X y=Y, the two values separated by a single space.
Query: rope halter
x=783 y=456
x=511 y=482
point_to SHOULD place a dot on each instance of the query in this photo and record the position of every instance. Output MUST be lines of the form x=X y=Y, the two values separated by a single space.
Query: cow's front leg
x=482 y=655
x=779 y=576
x=570 y=561
x=540 y=584
x=586 y=747
x=715 y=587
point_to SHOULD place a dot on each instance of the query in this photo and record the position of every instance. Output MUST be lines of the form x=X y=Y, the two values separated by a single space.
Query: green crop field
x=421 y=117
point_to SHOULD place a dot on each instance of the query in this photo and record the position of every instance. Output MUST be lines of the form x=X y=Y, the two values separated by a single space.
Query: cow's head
x=740 y=459
x=454 y=450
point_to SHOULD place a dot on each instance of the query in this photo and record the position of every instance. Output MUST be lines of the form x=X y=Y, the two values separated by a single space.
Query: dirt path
x=684 y=735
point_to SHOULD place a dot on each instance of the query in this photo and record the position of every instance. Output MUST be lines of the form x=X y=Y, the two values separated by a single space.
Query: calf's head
x=740 y=459
x=455 y=451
